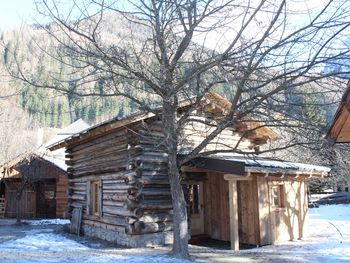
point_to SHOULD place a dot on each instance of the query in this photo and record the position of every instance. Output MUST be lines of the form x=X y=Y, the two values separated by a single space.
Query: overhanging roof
x=238 y=165
x=339 y=131
x=219 y=165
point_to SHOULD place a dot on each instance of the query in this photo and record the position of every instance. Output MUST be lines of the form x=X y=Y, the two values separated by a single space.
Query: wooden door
x=196 y=208
x=28 y=203
x=46 y=202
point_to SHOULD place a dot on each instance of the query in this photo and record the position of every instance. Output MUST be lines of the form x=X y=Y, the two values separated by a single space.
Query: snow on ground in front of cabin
x=46 y=246
x=56 y=221
x=41 y=239
x=328 y=241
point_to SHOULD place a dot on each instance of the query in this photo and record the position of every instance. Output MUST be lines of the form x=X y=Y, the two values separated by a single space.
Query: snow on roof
x=273 y=165
x=57 y=157
x=73 y=128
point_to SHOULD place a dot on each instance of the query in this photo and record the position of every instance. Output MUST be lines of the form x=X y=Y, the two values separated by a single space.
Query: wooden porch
x=244 y=209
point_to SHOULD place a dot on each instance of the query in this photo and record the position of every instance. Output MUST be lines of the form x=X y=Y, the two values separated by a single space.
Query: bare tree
x=163 y=52
x=15 y=127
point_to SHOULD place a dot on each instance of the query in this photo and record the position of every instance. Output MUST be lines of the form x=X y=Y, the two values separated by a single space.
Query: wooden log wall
x=131 y=167
x=194 y=133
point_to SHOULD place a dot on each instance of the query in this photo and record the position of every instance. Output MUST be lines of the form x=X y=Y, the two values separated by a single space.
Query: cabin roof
x=258 y=165
x=75 y=127
x=30 y=157
x=339 y=131
x=56 y=158
x=218 y=102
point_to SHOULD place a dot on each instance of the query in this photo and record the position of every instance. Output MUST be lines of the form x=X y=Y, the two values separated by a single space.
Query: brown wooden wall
x=216 y=207
x=259 y=222
x=194 y=133
x=43 y=178
x=282 y=224
x=61 y=194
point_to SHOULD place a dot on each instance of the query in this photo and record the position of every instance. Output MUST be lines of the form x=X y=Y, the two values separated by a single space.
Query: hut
x=43 y=185
x=118 y=178
x=40 y=177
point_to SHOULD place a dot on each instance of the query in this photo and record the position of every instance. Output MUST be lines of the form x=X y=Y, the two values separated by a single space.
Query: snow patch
x=56 y=221
x=34 y=241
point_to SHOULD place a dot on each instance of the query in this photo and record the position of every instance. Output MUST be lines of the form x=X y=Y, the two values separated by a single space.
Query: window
x=277 y=196
x=49 y=195
x=95 y=200
x=194 y=199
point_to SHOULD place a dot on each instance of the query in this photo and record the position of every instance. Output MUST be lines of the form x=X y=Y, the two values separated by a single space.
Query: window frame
x=94 y=198
x=277 y=196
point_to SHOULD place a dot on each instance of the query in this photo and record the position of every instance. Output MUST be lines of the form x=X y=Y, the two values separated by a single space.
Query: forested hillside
x=51 y=108
x=37 y=55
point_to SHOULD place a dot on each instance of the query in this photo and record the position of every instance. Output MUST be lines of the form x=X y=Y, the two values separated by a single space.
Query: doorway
x=196 y=208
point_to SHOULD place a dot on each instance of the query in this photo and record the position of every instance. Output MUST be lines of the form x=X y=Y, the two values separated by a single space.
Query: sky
x=14 y=13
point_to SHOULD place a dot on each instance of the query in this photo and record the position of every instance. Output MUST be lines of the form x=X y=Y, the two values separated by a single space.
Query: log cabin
x=44 y=187
x=118 y=177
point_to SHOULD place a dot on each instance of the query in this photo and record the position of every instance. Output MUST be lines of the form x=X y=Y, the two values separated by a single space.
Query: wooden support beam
x=233 y=215
x=229 y=177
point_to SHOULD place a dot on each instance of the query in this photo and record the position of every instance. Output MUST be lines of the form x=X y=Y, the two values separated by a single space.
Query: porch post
x=233 y=214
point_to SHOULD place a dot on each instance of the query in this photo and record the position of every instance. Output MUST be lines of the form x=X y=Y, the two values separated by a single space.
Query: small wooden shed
x=263 y=202
x=45 y=189
x=118 y=175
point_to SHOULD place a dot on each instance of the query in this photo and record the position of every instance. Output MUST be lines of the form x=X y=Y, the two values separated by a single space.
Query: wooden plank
x=264 y=212
x=233 y=215
x=88 y=197
x=76 y=220
x=248 y=212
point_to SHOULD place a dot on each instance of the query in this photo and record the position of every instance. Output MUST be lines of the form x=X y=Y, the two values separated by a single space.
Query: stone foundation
x=147 y=240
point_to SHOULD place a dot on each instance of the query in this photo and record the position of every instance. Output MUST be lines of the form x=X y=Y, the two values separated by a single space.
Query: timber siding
x=45 y=196
x=135 y=194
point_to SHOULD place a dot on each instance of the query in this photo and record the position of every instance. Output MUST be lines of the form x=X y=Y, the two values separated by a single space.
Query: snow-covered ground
x=56 y=221
x=328 y=241
x=328 y=238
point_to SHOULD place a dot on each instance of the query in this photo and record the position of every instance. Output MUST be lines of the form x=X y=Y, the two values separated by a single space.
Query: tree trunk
x=180 y=245
x=180 y=228
x=18 y=207
x=18 y=201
